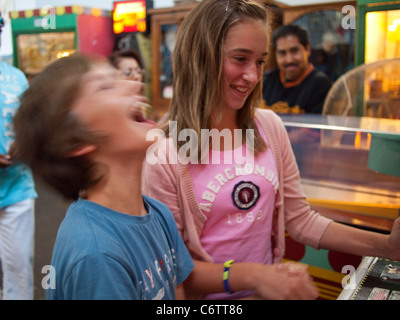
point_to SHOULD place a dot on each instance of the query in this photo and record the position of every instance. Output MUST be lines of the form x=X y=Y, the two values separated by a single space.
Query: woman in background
x=129 y=63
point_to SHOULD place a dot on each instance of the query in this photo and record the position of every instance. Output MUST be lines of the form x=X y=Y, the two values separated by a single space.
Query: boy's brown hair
x=47 y=132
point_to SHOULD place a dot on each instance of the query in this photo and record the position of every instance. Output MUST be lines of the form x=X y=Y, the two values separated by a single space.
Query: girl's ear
x=81 y=151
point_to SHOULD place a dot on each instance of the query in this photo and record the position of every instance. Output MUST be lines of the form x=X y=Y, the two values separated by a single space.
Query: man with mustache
x=295 y=87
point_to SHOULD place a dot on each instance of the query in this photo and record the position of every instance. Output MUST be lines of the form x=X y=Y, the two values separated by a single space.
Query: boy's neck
x=120 y=191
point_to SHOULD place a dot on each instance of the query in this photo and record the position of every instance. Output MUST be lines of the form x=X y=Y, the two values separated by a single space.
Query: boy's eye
x=105 y=86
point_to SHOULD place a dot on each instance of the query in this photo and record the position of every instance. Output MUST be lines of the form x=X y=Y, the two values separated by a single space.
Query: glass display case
x=337 y=158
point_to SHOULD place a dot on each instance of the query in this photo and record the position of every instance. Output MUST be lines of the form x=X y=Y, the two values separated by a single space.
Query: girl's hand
x=394 y=241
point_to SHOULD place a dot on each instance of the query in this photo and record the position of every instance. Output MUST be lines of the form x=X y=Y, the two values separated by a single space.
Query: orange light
x=369 y=137
x=357 y=140
x=129 y=16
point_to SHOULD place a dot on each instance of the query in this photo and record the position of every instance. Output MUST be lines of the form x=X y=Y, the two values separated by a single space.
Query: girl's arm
x=352 y=240
x=276 y=281
x=180 y=292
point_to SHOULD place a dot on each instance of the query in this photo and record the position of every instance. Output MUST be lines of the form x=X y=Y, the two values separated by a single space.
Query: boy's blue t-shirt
x=103 y=254
x=16 y=181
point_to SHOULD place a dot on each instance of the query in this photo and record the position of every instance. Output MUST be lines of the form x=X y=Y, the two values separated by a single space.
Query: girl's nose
x=251 y=74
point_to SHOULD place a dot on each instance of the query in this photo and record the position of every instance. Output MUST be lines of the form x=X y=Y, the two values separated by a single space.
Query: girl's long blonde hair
x=197 y=68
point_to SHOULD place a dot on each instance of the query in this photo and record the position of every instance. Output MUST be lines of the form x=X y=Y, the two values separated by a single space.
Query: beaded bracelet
x=225 y=276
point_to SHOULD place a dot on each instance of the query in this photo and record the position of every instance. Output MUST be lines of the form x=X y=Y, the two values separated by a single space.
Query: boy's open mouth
x=138 y=113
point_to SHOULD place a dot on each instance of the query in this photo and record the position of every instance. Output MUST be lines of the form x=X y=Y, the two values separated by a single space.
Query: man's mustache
x=290 y=65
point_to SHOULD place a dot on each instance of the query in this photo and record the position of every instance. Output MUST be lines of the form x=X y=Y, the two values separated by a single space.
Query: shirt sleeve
x=184 y=261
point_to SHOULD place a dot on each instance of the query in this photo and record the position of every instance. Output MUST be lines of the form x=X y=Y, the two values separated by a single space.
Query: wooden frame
x=160 y=17
x=291 y=13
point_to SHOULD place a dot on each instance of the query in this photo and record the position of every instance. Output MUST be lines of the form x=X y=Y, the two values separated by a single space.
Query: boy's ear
x=81 y=151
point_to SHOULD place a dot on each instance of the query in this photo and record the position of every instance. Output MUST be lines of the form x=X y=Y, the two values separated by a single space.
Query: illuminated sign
x=129 y=16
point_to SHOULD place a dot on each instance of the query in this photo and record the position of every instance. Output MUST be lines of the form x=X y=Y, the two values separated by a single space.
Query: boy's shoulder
x=76 y=228
x=84 y=219
x=155 y=203
x=160 y=209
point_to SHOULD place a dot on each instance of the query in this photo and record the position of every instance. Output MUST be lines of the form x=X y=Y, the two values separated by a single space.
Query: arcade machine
x=44 y=35
x=348 y=159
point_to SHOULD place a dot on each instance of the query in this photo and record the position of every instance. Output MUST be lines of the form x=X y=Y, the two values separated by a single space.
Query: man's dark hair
x=291 y=30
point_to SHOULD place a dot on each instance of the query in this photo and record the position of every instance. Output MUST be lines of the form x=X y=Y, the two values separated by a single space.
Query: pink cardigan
x=171 y=184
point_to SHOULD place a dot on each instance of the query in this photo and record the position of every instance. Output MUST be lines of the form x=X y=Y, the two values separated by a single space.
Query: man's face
x=292 y=57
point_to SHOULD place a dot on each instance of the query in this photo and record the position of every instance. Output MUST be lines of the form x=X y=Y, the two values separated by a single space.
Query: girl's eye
x=240 y=58
x=262 y=62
